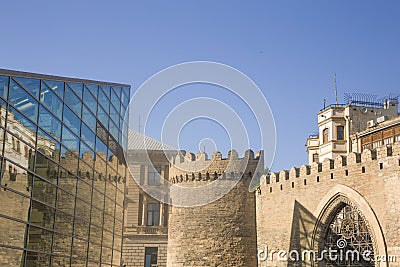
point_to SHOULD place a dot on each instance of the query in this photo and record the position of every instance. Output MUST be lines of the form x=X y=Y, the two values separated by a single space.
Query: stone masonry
x=294 y=206
x=221 y=233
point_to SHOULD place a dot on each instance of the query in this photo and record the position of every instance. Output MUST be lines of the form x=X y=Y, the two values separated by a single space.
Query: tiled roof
x=138 y=141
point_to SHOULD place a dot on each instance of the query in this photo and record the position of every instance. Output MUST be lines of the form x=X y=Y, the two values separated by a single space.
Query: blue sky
x=290 y=49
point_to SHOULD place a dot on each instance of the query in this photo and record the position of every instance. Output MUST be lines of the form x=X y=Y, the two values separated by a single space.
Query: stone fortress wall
x=294 y=206
x=221 y=233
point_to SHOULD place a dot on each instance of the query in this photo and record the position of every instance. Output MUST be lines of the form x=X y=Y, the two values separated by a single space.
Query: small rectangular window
x=150 y=258
x=315 y=157
x=340 y=132
x=154 y=175
x=325 y=135
x=153 y=214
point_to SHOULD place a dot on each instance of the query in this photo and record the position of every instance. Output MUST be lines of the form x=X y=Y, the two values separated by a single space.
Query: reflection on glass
x=103 y=101
x=49 y=123
x=89 y=101
x=103 y=117
x=93 y=88
x=58 y=177
x=51 y=101
x=89 y=119
x=72 y=121
x=77 y=88
x=23 y=102
x=70 y=140
x=3 y=86
x=73 y=101
x=30 y=85
x=55 y=86
x=115 y=99
x=88 y=136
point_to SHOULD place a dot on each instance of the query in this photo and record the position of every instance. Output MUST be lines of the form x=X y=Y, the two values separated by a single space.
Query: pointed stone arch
x=341 y=195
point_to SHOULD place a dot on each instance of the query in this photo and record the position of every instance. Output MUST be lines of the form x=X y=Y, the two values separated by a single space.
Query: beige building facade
x=146 y=222
x=336 y=123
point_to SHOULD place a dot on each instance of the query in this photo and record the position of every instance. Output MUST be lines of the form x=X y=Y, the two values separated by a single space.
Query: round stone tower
x=212 y=217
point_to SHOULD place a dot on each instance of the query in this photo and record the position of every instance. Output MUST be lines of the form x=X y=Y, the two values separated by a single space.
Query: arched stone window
x=348 y=234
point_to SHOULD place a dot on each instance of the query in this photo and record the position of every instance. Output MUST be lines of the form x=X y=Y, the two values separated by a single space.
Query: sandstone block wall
x=291 y=203
x=221 y=233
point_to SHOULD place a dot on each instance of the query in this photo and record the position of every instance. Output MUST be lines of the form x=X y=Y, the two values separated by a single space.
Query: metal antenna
x=335 y=88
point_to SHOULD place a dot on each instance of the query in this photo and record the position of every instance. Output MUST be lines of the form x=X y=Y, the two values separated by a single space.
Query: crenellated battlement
x=383 y=157
x=190 y=167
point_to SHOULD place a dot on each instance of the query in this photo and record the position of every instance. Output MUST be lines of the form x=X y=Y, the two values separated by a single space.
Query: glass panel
x=64 y=222
x=72 y=121
x=100 y=177
x=88 y=136
x=86 y=153
x=35 y=259
x=19 y=208
x=25 y=126
x=14 y=176
x=95 y=234
x=48 y=144
x=79 y=249
x=97 y=217
x=42 y=215
x=98 y=201
x=118 y=91
x=107 y=90
x=51 y=101
x=106 y=255
x=49 y=123
x=4 y=86
x=104 y=101
x=70 y=140
x=82 y=210
x=11 y=257
x=85 y=192
x=39 y=239
x=102 y=117
x=114 y=115
x=66 y=201
x=44 y=191
x=115 y=99
x=89 y=119
x=23 y=102
x=93 y=88
x=78 y=262
x=73 y=101
x=12 y=233
x=90 y=101
x=108 y=225
x=110 y=188
x=77 y=88
x=94 y=253
x=81 y=229
x=61 y=245
x=56 y=86
x=31 y=85
x=113 y=130
x=69 y=160
x=101 y=147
